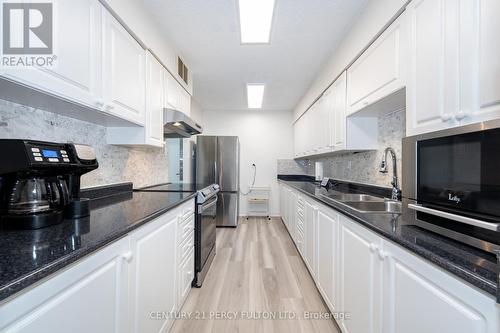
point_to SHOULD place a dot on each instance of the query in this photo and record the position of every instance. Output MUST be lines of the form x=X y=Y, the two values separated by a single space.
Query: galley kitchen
x=250 y=166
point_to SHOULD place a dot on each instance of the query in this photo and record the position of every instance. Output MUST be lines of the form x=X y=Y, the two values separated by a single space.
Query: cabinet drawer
x=185 y=228
x=186 y=246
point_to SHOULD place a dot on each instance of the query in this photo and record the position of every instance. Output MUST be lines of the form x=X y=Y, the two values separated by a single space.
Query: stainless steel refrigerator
x=218 y=162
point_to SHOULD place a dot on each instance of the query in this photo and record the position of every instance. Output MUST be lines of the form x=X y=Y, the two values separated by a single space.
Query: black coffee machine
x=40 y=182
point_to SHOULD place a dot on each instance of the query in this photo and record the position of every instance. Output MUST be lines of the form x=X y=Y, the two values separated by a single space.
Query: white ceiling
x=206 y=32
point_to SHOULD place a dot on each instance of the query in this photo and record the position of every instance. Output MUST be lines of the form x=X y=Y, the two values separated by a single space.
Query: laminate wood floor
x=256 y=274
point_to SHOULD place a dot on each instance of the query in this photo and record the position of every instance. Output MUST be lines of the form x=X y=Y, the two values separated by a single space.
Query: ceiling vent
x=182 y=70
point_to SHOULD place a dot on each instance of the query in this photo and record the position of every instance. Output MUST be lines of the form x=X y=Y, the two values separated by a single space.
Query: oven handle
x=455 y=217
x=208 y=204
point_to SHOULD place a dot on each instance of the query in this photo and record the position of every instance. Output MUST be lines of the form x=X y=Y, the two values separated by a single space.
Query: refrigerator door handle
x=216 y=172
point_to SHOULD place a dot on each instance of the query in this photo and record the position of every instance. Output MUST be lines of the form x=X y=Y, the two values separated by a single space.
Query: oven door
x=207 y=215
x=460 y=174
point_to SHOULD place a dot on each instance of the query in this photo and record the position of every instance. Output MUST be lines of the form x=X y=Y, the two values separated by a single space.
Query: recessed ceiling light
x=256 y=17
x=255 y=95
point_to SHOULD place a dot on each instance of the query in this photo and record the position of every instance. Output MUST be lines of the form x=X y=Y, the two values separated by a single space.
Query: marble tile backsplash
x=360 y=167
x=142 y=166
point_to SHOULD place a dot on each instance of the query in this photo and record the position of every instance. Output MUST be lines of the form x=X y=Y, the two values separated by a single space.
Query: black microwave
x=451 y=179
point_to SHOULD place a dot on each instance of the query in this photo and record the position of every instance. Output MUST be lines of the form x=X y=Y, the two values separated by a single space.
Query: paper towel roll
x=319 y=171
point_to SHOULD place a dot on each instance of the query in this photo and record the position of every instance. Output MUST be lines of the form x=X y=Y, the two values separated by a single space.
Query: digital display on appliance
x=49 y=153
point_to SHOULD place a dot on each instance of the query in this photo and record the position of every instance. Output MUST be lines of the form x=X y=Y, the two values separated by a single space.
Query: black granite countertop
x=477 y=267
x=27 y=256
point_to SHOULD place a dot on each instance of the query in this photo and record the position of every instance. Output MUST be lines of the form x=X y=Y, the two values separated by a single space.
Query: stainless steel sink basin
x=389 y=207
x=349 y=197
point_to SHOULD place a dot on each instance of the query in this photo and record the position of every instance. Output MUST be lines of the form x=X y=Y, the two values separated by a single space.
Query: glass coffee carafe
x=34 y=195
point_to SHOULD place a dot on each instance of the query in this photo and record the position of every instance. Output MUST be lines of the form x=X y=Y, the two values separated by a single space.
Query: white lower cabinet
x=131 y=285
x=311 y=236
x=292 y=213
x=153 y=274
x=381 y=287
x=90 y=296
x=360 y=278
x=419 y=297
x=327 y=256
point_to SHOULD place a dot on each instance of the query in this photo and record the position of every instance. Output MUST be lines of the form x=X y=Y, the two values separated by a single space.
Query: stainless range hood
x=178 y=125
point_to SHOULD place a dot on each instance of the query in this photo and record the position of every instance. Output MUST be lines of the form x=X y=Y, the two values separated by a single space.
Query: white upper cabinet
x=151 y=134
x=454 y=70
x=77 y=74
x=124 y=72
x=176 y=97
x=339 y=113
x=155 y=76
x=380 y=70
x=433 y=93
x=479 y=20
x=324 y=128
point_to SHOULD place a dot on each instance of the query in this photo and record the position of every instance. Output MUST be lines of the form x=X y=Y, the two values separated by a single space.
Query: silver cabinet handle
x=455 y=217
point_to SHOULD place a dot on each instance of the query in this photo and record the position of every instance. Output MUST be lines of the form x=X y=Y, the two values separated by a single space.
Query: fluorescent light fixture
x=255 y=95
x=256 y=17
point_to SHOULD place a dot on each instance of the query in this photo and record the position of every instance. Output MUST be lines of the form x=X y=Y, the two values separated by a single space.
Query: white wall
x=265 y=137
x=372 y=20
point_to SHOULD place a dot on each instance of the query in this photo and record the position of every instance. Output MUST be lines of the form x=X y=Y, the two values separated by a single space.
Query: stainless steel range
x=205 y=232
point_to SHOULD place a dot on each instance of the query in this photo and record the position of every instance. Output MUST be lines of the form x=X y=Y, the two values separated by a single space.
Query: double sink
x=364 y=203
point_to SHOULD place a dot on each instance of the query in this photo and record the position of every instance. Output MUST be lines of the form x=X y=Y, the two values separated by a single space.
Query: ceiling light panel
x=255 y=95
x=256 y=18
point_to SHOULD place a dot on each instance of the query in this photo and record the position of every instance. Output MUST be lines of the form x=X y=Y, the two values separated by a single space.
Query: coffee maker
x=40 y=182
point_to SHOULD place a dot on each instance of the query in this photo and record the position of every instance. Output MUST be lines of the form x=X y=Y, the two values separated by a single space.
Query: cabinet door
x=154 y=271
x=442 y=302
x=172 y=92
x=76 y=75
x=360 y=278
x=186 y=276
x=380 y=70
x=154 y=106
x=311 y=233
x=432 y=86
x=124 y=72
x=185 y=101
x=90 y=296
x=480 y=25
x=327 y=250
x=292 y=214
x=324 y=123
x=339 y=112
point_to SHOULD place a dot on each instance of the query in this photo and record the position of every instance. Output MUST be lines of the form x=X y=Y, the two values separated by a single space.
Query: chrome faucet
x=396 y=191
